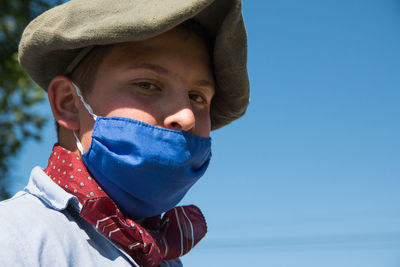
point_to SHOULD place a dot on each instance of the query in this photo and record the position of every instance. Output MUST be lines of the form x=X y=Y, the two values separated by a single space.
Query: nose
x=181 y=120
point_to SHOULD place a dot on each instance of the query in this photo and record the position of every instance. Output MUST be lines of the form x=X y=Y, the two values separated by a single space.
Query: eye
x=147 y=86
x=198 y=98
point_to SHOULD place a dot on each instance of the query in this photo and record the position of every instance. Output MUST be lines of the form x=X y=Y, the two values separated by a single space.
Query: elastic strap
x=78 y=143
x=81 y=55
x=89 y=109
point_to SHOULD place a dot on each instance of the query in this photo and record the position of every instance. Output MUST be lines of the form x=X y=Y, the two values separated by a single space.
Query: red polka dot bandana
x=169 y=237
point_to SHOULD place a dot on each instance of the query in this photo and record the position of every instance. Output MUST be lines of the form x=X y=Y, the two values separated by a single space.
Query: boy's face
x=166 y=81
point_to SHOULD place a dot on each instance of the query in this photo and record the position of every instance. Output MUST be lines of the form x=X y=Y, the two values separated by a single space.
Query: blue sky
x=310 y=176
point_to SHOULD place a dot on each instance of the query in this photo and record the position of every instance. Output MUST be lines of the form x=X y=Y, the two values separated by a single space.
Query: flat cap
x=58 y=39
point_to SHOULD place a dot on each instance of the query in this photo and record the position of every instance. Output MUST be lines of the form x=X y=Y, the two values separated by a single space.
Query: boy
x=135 y=88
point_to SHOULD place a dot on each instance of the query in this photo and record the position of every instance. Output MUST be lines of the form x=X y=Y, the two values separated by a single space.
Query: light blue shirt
x=41 y=226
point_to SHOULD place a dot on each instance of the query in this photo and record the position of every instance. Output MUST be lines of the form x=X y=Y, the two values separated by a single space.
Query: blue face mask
x=146 y=170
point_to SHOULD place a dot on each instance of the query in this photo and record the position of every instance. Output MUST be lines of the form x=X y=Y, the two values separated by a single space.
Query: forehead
x=175 y=44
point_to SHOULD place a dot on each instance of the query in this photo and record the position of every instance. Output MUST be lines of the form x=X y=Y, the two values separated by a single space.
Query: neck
x=66 y=140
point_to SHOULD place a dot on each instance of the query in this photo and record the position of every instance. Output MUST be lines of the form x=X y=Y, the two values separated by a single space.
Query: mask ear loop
x=89 y=109
x=78 y=143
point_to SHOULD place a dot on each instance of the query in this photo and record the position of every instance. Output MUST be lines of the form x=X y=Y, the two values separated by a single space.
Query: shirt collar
x=41 y=186
x=50 y=193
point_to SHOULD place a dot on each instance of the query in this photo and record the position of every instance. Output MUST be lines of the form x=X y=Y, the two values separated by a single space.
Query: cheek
x=86 y=131
x=136 y=114
x=86 y=140
x=203 y=124
x=126 y=106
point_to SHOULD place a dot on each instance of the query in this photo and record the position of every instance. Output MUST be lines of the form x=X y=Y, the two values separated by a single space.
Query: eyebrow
x=164 y=71
x=150 y=66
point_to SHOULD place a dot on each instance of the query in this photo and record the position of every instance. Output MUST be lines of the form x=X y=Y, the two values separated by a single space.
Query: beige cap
x=57 y=40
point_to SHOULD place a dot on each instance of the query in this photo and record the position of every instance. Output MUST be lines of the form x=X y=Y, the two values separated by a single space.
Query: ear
x=62 y=98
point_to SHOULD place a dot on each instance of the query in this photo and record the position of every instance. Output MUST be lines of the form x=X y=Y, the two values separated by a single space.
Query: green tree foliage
x=18 y=94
